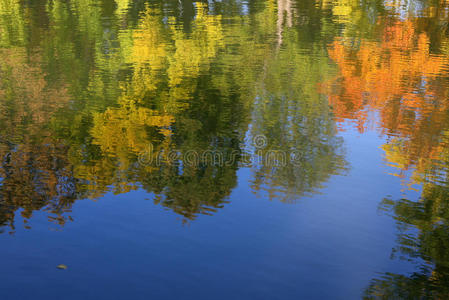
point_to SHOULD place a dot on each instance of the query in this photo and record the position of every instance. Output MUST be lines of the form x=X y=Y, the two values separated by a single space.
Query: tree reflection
x=399 y=79
x=423 y=240
x=34 y=168
x=88 y=86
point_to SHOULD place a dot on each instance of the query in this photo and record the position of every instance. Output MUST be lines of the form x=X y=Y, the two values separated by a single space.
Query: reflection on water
x=84 y=105
x=423 y=240
x=401 y=76
x=86 y=87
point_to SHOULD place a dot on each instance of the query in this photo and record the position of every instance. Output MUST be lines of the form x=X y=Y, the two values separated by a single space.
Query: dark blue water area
x=328 y=245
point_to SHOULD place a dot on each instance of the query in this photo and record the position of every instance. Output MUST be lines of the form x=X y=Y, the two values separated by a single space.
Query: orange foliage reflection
x=400 y=81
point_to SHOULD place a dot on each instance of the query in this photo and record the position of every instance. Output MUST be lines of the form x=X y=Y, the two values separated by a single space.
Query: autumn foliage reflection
x=31 y=158
x=400 y=82
x=87 y=86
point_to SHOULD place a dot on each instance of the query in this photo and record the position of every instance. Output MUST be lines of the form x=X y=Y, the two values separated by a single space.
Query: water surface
x=224 y=149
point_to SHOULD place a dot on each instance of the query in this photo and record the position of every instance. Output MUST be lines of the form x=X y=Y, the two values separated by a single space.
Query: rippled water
x=232 y=149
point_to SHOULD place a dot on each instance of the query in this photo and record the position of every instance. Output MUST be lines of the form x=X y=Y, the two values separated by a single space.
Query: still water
x=261 y=149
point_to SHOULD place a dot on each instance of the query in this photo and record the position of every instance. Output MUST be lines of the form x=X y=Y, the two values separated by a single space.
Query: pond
x=260 y=149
